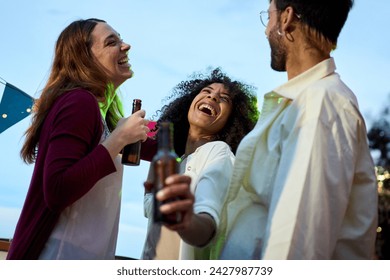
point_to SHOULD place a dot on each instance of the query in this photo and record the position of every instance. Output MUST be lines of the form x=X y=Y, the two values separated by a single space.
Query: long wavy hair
x=242 y=119
x=73 y=67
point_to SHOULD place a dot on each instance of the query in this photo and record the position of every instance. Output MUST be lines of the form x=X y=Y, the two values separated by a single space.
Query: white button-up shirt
x=304 y=184
x=210 y=168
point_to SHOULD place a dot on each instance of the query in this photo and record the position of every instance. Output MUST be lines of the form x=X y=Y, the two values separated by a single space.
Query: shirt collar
x=294 y=87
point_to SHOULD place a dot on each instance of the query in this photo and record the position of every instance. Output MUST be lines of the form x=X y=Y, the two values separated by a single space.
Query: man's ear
x=287 y=18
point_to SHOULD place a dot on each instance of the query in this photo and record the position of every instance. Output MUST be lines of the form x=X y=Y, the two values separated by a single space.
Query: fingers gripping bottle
x=131 y=152
x=165 y=163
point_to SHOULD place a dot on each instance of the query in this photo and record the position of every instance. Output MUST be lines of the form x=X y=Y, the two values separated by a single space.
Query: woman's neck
x=194 y=142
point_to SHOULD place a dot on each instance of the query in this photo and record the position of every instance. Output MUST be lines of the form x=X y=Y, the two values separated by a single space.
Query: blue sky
x=170 y=40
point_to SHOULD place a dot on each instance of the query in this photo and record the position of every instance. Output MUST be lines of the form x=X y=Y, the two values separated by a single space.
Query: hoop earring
x=290 y=37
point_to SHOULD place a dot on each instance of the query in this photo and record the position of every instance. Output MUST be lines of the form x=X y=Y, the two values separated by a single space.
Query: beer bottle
x=164 y=163
x=131 y=152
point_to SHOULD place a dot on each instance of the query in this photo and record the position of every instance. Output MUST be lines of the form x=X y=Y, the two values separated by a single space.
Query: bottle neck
x=165 y=137
x=136 y=105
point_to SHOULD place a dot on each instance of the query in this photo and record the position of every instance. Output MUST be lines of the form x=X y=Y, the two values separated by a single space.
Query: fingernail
x=168 y=181
x=160 y=194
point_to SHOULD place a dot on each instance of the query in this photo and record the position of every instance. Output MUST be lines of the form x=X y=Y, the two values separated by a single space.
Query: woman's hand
x=195 y=229
x=177 y=186
x=129 y=130
x=133 y=128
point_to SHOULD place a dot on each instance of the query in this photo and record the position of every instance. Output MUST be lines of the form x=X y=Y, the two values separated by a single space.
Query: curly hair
x=242 y=119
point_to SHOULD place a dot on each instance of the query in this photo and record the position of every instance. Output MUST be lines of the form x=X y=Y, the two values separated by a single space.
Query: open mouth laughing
x=123 y=61
x=208 y=109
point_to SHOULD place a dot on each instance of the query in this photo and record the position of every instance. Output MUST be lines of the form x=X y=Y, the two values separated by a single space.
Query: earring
x=280 y=33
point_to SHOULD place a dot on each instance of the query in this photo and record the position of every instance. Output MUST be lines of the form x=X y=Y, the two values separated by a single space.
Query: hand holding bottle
x=129 y=130
x=164 y=163
x=131 y=153
x=177 y=185
x=133 y=128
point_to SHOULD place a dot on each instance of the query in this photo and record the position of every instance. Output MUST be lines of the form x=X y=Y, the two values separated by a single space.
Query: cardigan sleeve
x=148 y=149
x=75 y=160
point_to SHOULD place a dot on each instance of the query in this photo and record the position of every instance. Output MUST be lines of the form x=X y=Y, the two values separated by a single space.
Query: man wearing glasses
x=304 y=184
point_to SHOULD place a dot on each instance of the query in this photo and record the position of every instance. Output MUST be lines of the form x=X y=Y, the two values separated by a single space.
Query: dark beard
x=278 y=50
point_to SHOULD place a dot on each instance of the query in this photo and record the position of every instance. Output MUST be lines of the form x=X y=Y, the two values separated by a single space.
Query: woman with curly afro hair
x=210 y=113
x=241 y=120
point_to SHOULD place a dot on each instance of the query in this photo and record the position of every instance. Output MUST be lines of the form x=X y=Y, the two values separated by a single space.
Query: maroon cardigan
x=148 y=149
x=69 y=163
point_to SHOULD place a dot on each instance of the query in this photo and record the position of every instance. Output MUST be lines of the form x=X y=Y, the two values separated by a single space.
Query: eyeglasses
x=264 y=17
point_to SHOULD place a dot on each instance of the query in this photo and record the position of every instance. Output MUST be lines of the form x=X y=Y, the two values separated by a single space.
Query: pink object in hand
x=153 y=131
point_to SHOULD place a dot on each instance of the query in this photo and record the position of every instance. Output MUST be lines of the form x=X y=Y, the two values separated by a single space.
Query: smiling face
x=111 y=53
x=209 y=111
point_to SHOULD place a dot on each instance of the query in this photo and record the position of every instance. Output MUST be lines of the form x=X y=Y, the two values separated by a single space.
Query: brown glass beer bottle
x=131 y=152
x=165 y=163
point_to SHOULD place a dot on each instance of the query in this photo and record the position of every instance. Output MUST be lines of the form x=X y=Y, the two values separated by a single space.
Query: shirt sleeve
x=148 y=205
x=74 y=161
x=313 y=186
x=214 y=179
